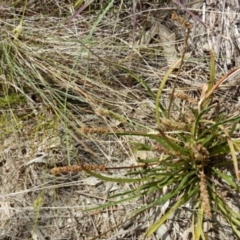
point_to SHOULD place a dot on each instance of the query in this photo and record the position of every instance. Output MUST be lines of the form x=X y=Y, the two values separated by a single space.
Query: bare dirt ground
x=94 y=70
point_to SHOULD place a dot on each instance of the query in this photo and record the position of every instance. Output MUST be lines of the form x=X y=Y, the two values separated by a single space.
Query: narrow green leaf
x=117 y=180
x=170 y=143
x=230 y=215
x=100 y=17
x=137 y=146
x=212 y=71
x=228 y=178
x=182 y=200
x=185 y=182
x=221 y=148
x=236 y=143
x=230 y=120
x=236 y=230
x=234 y=158
x=198 y=230
x=195 y=127
x=165 y=141
x=234 y=126
x=113 y=203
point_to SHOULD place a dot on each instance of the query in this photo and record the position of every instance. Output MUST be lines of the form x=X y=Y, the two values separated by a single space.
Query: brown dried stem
x=79 y=168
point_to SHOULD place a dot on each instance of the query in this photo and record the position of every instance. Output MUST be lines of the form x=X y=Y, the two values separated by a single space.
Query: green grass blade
x=228 y=178
x=230 y=215
x=212 y=71
x=182 y=200
x=235 y=230
x=195 y=126
x=113 y=203
x=234 y=158
x=117 y=180
x=198 y=230
x=165 y=141
x=99 y=19
x=184 y=182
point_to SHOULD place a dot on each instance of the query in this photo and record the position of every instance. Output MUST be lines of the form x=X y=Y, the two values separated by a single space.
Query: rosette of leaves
x=195 y=152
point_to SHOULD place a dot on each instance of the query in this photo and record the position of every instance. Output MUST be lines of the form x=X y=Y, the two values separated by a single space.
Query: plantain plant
x=194 y=151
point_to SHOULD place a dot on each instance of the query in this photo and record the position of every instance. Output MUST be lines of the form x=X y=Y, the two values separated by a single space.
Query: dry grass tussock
x=61 y=78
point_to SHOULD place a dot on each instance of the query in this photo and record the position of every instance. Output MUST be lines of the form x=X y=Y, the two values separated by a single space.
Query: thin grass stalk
x=188 y=27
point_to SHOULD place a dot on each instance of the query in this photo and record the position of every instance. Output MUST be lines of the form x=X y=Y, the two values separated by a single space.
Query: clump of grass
x=11 y=100
x=192 y=149
x=194 y=155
